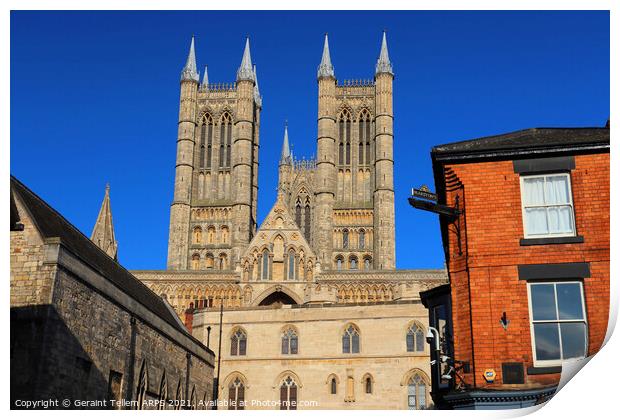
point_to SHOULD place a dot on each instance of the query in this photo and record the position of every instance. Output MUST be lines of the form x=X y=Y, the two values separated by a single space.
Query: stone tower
x=103 y=232
x=213 y=215
x=325 y=187
x=354 y=191
x=383 y=204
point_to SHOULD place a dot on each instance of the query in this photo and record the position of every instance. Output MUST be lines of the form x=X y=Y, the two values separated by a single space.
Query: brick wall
x=484 y=277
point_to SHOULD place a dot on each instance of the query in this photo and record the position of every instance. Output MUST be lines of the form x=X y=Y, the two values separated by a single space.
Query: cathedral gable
x=279 y=250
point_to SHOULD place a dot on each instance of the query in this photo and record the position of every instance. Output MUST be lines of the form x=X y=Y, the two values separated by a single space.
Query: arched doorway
x=277 y=298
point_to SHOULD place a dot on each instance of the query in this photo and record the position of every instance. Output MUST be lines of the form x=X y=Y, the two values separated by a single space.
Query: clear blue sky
x=94 y=98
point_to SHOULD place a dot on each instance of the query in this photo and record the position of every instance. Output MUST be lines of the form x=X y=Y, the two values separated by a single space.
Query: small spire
x=205 y=80
x=326 y=69
x=245 y=71
x=383 y=63
x=286 y=157
x=189 y=71
x=257 y=97
x=103 y=232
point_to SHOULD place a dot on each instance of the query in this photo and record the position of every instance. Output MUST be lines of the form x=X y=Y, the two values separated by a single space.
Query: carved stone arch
x=364 y=111
x=283 y=375
x=368 y=375
x=205 y=116
x=332 y=376
x=232 y=376
x=344 y=112
x=410 y=373
x=226 y=110
x=277 y=288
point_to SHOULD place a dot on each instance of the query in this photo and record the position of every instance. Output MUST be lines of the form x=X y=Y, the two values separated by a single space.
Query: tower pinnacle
x=257 y=97
x=205 y=80
x=286 y=157
x=103 y=232
x=326 y=69
x=189 y=71
x=246 y=72
x=383 y=63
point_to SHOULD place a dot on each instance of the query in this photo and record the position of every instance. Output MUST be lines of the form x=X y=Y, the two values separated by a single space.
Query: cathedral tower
x=384 y=163
x=354 y=180
x=213 y=215
x=180 y=209
x=325 y=165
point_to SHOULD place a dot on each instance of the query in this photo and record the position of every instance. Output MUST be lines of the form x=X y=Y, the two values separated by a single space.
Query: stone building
x=529 y=276
x=84 y=329
x=315 y=314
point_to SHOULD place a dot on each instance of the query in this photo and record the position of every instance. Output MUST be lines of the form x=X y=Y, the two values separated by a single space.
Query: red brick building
x=525 y=225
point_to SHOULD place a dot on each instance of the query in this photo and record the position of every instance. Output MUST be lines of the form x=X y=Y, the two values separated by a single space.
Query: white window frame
x=557 y=362
x=570 y=203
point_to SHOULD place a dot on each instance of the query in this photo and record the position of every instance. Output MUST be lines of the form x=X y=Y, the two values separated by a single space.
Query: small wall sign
x=424 y=192
x=489 y=375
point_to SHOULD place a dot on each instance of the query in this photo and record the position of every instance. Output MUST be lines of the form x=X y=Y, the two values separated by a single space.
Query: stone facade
x=323 y=260
x=383 y=355
x=85 y=329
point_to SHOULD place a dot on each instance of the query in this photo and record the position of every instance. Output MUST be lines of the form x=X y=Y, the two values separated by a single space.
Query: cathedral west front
x=314 y=312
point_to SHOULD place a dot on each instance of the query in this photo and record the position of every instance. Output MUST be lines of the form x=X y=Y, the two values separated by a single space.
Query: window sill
x=550 y=241
x=532 y=370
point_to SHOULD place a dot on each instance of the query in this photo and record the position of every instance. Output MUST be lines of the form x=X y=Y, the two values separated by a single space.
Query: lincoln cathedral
x=302 y=310
x=313 y=306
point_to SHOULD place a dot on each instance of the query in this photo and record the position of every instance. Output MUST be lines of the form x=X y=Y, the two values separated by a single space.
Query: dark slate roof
x=52 y=224
x=523 y=142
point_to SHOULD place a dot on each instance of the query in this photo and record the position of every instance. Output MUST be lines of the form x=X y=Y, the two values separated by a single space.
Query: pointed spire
x=245 y=71
x=257 y=97
x=286 y=157
x=189 y=71
x=326 y=69
x=383 y=63
x=103 y=232
x=205 y=80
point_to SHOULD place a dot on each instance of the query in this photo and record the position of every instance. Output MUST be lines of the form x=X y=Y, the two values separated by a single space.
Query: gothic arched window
x=290 y=341
x=416 y=393
x=339 y=263
x=225 y=140
x=351 y=340
x=367 y=263
x=236 y=394
x=197 y=235
x=265 y=268
x=224 y=234
x=211 y=235
x=209 y=261
x=223 y=262
x=333 y=386
x=288 y=394
x=353 y=263
x=206 y=141
x=344 y=131
x=203 y=136
x=364 y=136
x=238 y=342
x=368 y=383
x=195 y=262
x=307 y=222
x=345 y=239
x=415 y=338
x=298 y=215
x=362 y=239
x=291 y=265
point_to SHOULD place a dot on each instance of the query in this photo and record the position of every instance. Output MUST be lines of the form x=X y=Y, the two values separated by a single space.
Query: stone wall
x=383 y=354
